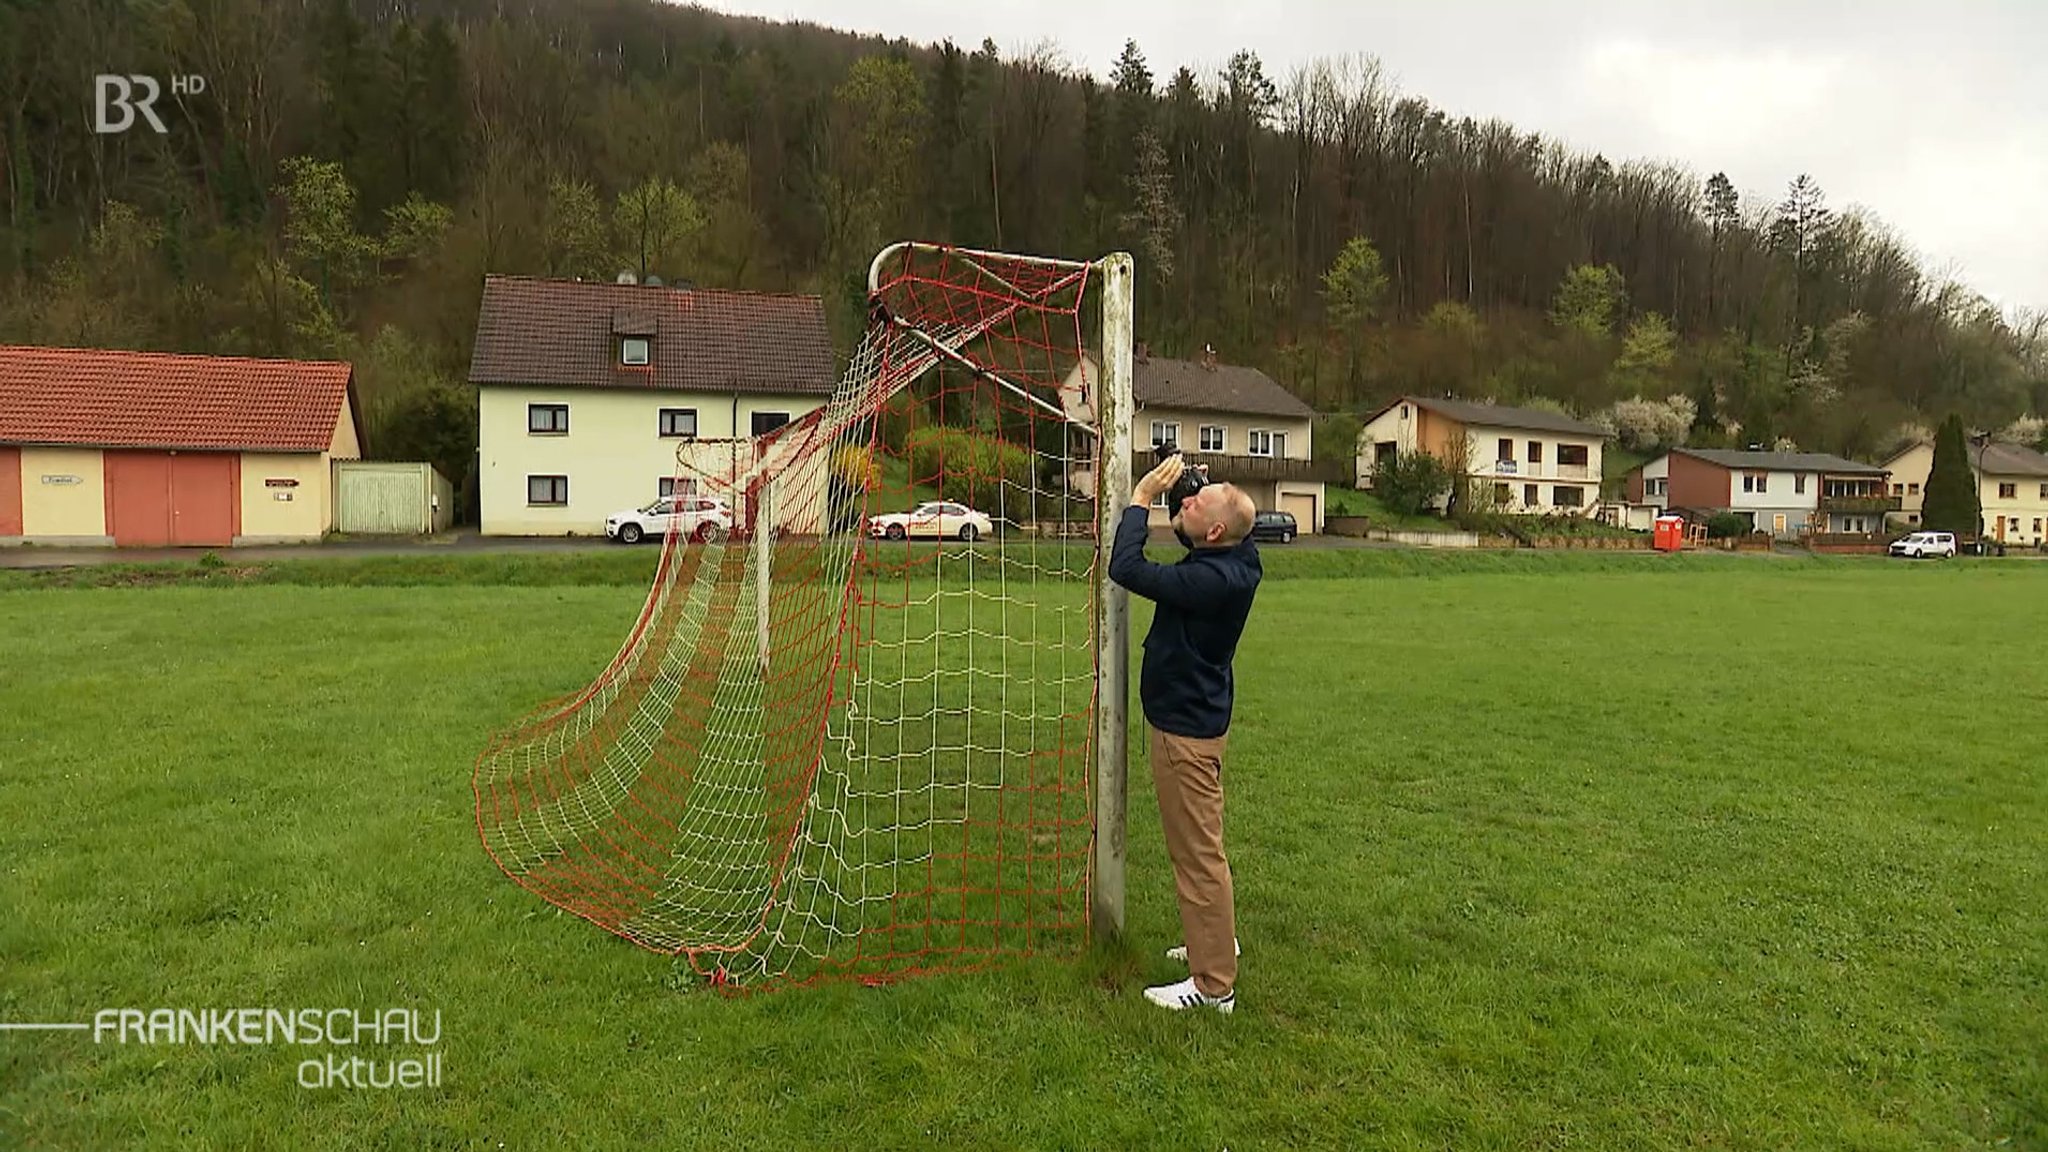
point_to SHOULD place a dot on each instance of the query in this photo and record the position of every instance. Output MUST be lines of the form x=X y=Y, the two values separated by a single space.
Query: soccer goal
x=877 y=727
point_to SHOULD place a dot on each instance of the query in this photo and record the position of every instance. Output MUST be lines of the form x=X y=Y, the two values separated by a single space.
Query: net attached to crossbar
x=854 y=735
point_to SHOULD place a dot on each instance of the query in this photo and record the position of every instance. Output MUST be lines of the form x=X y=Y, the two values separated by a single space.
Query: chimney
x=1209 y=357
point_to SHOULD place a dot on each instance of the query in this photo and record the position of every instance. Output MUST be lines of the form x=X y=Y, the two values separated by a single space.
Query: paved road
x=453 y=542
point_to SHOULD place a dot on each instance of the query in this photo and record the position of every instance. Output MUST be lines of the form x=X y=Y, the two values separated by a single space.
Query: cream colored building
x=588 y=393
x=1536 y=462
x=149 y=449
x=2012 y=489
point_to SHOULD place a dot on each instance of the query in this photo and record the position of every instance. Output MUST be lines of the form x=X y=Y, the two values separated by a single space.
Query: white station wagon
x=695 y=517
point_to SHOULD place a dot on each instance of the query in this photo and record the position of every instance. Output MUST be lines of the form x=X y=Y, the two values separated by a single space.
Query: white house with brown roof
x=585 y=392
x=1235 y=420
x=151 y=449
x=1539 y=462
x=1782 y=494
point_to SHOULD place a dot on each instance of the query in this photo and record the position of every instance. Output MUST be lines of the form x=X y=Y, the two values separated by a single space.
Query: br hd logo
x=115 y=101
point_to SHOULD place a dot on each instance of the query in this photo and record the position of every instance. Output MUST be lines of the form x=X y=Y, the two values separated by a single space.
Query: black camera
x=1193 y=477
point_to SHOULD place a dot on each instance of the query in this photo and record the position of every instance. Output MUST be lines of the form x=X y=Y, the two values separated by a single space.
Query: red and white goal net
x=857 y=736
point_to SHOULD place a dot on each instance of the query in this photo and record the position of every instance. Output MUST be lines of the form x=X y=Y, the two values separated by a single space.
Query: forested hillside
x=351 y=171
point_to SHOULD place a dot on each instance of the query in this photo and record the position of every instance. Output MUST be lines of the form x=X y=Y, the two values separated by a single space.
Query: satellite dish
x=652 y=280
x=628 y=278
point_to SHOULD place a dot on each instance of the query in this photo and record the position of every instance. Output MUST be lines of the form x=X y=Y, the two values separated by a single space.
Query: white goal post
x=1111 y=407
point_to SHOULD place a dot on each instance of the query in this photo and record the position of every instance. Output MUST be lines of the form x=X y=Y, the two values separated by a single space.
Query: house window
x=1165 y=434
x=1404 y=411
x=1506 y=451
x=2008 y=491
x=1657 y=486
x=2044 y=491
x=547 y=490
x=1914 y=489
x=766 y=422
x=1502 y=494
x=2037 y=524
x=1212 y=438
x=1898 y=489
x=547 y=419
x=670 y=486
x=633 y=351
x=1567 y=497
x=1535 y=451
x=679 y=422
x=1531 y=497
x=1755 y=481
x=1574 y=455
x=1798 y=485
x=1262 y=443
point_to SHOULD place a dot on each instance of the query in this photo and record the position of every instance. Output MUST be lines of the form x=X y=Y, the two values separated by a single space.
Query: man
x=1187 y=691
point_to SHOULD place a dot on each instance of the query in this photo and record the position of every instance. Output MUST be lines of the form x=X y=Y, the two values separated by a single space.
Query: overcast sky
x=1924 y=112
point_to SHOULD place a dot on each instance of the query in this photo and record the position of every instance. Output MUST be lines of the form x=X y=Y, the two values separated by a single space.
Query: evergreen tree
x=1951 y=497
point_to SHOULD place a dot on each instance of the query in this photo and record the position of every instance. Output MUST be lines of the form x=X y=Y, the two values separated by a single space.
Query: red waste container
x=1669 y=534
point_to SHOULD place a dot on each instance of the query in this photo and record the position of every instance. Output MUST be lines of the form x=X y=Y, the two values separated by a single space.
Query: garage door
x=174 y=498
x=10 y=492
x=1304 y=509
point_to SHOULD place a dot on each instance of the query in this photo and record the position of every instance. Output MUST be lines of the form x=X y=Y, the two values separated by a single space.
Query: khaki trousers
x=1187 y=775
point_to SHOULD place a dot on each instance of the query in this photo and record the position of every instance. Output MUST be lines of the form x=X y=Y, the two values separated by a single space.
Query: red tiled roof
x=119 y=399
x=559 y=333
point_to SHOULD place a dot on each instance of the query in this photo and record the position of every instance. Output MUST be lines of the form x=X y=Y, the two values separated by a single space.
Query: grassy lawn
x=1531 y=851
x=1347 y=501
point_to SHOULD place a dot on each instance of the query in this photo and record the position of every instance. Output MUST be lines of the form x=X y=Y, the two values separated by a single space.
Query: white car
x=940 y=519
x=1924 y=544
x=696 y=517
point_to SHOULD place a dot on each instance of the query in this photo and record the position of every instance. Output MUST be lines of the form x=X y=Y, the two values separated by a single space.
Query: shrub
x=1723 y=525
x=1409 y=482
x=978 y=470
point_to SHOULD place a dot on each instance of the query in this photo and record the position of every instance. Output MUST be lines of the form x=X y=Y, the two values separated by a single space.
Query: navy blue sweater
x=1203 y=602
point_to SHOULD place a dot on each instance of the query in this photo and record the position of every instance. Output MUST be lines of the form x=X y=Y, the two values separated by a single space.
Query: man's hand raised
x=1158 y=482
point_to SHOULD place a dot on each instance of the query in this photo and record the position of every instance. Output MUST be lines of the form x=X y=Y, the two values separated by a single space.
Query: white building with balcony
x=1538 y=462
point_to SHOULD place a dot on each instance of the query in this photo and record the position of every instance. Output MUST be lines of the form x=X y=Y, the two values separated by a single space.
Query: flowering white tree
x=1647 y=425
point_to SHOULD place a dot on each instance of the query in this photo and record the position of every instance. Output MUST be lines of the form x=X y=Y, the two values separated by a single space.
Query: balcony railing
x=1240 y=469
x=1540 y=470
x=1861 y=505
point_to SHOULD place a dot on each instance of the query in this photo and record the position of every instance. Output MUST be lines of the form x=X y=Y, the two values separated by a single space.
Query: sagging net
x=854 y=736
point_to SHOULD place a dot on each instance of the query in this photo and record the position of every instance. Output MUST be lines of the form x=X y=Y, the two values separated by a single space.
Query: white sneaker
x=1185 y=995
x=1180 y=951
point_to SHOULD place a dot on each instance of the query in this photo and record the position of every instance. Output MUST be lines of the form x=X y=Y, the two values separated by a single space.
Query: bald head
x=1218 y=516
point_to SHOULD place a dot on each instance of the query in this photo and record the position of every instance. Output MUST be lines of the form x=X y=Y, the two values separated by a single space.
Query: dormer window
x=633 y=351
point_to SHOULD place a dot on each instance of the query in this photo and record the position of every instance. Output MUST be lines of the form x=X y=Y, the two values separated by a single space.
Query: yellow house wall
x=1909 y=471
x=1237 y=430
x=308 y=513
x=345 y=446
x=63 y=512
x=2027 y=506
x=613 y=453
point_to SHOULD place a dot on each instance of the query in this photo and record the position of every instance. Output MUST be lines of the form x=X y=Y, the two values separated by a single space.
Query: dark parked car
x=1275 y=526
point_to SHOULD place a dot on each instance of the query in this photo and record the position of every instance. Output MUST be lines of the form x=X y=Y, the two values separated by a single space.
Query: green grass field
x=1531 y=851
